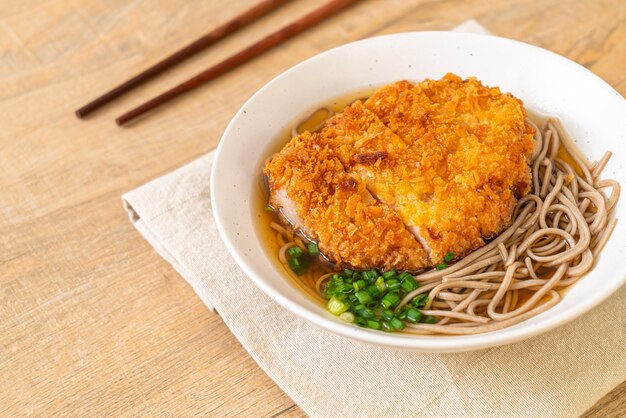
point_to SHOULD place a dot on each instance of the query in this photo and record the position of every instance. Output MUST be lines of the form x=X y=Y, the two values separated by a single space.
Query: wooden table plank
x=92 y=321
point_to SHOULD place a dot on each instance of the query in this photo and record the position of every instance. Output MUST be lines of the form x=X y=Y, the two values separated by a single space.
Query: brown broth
x=562 y=153
x=566 y=156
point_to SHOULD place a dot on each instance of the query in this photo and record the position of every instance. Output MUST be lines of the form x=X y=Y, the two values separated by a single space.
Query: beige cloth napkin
x=561 y=373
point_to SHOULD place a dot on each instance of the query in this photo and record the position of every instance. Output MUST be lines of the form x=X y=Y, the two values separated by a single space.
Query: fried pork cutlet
x=315 y=194
x=446 y=159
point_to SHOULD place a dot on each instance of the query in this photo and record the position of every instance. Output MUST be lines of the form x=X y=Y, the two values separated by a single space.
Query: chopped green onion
x=373 y=291
x=441 y=266
x=347 y=316
x=368 y=298
x=345 y=289
x=314 y=249
x=397 y=324
x=420 y=300
x=390 y=300
x=370 y=275
x=413 y=315
x=401 y=313
x=362 y=322
x=380 y=284
x=269 y=208
x=387 y=315
x=294 y=252
x=331 y=286
x=373 y=324
x=296 y=266
x=336 y=307
x=389 y=274
x=363 y=297
x=393 y=284
x=365 y=312
x=446 y=259
x=359 y=284
x=408 y=283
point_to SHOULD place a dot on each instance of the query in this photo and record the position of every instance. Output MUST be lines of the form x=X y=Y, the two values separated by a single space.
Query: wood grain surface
x=92 y=321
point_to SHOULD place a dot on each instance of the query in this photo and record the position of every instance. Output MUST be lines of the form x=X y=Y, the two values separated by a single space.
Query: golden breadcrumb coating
x=444 y=159
x=473 y=147
x=351 y=227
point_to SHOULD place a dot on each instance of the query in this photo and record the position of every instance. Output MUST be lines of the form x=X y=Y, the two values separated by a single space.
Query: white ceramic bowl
x=591 y=111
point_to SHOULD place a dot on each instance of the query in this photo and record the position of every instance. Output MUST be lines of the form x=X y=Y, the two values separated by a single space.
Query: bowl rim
x=433 y=344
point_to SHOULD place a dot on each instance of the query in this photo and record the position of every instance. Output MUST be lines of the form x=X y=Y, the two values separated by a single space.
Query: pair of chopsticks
x=241 y=57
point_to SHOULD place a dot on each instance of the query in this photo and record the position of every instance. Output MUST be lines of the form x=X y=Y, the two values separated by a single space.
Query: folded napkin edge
x=156 y=242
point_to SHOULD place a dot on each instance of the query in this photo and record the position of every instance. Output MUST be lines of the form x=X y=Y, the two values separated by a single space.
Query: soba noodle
x=556 y=234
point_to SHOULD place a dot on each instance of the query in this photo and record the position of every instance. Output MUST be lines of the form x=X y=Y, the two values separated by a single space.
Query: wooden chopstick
x=191 y=49
x=270 y=41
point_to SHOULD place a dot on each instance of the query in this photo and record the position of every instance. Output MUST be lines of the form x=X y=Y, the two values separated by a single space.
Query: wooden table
x=92 y=321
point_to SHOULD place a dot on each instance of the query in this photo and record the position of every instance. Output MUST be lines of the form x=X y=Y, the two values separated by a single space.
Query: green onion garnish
x=347 y=316
x=389 y=274
x=380 y=284
x=269 y=208
x=390 y=300
x=336 y=307
x=413 y=315
x=420 y=300
x=360 y=321
x=387 y=315
x=393 y=284
x=401 y=313
x=344 y=288
x=363 y=297
x=296 y=266
x=368 y=298
x=365 y=313
x=353 y=299
x=446 y=259
x=294 y=252
x=408 y=283
x=314 y=249
x=397 y=324
x=359 y=284
x=373 y=324
x=373 y=291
